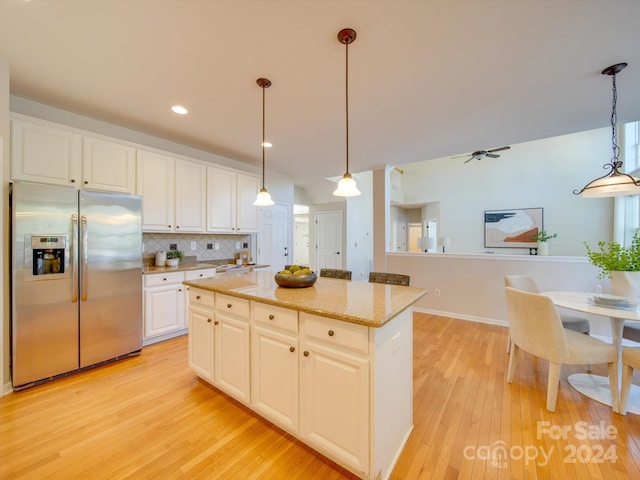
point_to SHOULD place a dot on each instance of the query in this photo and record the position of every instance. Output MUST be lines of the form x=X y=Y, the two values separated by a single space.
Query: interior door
x=328 y=240
x=273 y=246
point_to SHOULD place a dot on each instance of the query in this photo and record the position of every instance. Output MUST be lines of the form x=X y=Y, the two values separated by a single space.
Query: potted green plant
x=173 y=258
x=620 y=264
x=542 y=237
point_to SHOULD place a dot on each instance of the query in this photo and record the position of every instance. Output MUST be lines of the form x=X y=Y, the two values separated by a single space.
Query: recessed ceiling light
x=179 y=109
x=267 y=145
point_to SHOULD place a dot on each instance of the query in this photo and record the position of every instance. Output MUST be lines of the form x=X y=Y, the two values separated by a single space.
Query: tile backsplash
x=223 y=247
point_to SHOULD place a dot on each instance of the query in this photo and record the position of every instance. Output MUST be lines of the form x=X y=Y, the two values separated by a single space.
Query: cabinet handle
x=208 y=320
x=271 y=317
x=306 y=354
x=197 y=297
x=216 y=322
x=331 y=333
x=229 y=305
x=292 y=349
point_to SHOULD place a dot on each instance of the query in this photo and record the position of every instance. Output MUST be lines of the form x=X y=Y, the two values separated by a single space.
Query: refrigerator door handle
x=84 y=274
x=73 y=256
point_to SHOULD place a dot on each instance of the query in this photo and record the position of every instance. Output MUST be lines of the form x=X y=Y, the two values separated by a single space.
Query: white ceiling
x=428 y=79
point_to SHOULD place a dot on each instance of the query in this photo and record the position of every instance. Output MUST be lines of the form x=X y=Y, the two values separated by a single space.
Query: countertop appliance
x=76 y=280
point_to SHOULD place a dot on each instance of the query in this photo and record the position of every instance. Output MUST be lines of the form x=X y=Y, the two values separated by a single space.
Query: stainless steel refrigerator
x=76 y=280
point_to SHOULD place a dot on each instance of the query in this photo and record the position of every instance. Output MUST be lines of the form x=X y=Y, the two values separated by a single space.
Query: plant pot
x=172 y=262
x=543 y=248
x=626 y=284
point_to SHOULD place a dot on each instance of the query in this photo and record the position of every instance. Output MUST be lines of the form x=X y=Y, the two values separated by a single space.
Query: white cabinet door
x=232 y=357
x=191 y=187
x=334 y=402
x=201 y=343
x=247 y=188
x=221 y=200
x=274 y=381
x=43 y=153
x=155 y=183
x=164 y=310
x=108 y=166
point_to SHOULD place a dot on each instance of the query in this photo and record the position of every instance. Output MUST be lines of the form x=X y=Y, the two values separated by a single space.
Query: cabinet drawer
x=200 y=297
x=335 y=332
x=279 y=317
x=157 y=279
x=233 y=305
x=202 y=273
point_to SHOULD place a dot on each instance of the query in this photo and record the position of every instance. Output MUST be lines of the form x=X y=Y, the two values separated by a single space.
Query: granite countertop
x=361 y=302
x=182 y=267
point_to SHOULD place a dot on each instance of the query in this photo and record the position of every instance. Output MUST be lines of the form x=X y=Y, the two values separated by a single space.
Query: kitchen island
x=331 y=364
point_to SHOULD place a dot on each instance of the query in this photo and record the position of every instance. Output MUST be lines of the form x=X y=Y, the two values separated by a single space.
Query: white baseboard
x=469 y=318
x=7 y=388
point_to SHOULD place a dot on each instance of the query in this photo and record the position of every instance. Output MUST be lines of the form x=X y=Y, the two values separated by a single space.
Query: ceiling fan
x=480 y=154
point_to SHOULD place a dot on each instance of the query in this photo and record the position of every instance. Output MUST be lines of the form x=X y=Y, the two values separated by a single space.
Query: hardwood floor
x=149 y=417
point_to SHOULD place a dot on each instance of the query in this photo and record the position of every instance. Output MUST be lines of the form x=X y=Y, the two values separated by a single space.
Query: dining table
x=594 y=386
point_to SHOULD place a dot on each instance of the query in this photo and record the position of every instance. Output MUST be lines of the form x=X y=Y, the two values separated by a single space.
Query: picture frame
x=512 y=228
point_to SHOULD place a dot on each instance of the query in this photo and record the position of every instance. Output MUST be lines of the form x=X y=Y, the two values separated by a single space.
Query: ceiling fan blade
x=492 y=155
x=499 y=149
x=468 y=159
x=460 y=156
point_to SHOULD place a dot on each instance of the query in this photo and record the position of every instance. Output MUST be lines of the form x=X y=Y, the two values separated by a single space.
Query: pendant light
x=347 y=185
x=263 y=199
x=615 y=182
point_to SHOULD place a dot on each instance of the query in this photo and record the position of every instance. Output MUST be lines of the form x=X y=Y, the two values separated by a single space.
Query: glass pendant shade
x=263 y=199
x=346 y=187
x=613 y=185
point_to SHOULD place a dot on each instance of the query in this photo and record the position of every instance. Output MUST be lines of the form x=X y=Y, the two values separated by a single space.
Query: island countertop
x=361 y=302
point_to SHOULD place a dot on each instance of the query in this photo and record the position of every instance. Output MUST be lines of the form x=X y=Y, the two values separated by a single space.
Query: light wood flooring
x=149 y=417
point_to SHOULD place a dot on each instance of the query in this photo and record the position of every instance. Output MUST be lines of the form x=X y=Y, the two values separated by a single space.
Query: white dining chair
x=528 y=284
x=630 y=361
x=536 y=328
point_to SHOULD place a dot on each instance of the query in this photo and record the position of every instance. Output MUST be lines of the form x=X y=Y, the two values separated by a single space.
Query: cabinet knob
x=169 y=226
x=73 y=181
x=197 y=297
x=179 y=289
x=216 y=322
x=208 y=320
x=271 y=317
x=201 y=276
x=164 y=279
x=86 y=183
x=306 y=354
x=178 y=226
x=229 y=305
x=331 y=333
x=292 y=349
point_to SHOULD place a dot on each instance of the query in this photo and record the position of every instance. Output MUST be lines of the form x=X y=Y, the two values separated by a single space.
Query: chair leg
x=613 y=384
x=627 y=374
x=513 y=359
x=552 y=385
x=508 y=343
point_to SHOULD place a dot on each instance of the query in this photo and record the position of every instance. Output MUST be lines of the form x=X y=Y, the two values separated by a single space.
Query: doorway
x=273 y=246
x=328 y=239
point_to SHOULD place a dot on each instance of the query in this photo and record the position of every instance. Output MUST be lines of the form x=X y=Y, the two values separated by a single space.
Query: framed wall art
x=512 y=228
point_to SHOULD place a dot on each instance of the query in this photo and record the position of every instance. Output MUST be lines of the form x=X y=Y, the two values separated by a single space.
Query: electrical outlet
x=209 y=246
x=436 y=293
x=173 y=246
x=193 y=246
x=217 y=246
x=245 y=245
x=237 y=245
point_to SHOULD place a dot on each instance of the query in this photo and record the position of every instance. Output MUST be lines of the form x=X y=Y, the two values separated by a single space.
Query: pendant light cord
x=614 y=126
x=346 y=96
x=263 y=88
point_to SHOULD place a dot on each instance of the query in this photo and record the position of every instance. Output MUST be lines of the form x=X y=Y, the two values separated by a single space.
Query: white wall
x=4 y=220
x=359 y=233
x=534 y=174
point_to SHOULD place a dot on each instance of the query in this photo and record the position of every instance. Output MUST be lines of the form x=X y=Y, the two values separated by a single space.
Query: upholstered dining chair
x=389 y=278
x=630 y=361
x=631 y=331
x=528 y=284
x=335 y=273
x=536 y=328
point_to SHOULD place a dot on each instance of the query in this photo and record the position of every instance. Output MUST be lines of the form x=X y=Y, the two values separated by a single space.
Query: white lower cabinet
x=163 y=304
x=274 y=364
x=201 y=343
x=231 y=346
x=334 y=389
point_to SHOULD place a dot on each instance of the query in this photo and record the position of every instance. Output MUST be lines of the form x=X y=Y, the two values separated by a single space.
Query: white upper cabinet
x=42 y=153
x=108 y=166
x=230 y=198
x=191 y=193
x=155 y=183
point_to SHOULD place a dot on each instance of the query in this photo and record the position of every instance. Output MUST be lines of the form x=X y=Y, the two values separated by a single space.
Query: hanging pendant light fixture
x=263 y=199
x=347 y=186
x=615 y=182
